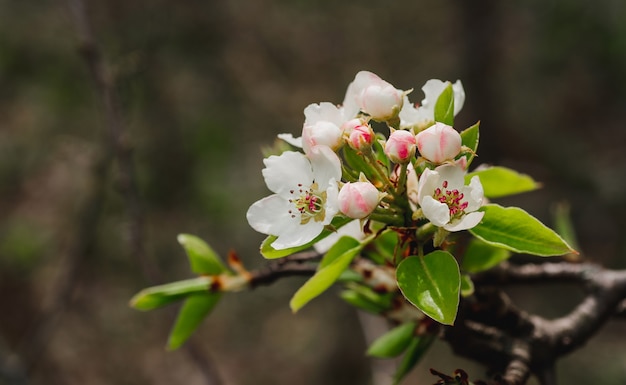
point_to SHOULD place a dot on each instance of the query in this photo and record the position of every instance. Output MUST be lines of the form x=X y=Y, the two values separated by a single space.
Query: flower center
x=452 y=198
x=308 y=203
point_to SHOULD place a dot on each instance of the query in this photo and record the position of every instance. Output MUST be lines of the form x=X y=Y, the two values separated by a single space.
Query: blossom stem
x=426 y=231
x=380 y=173
x=385 y=217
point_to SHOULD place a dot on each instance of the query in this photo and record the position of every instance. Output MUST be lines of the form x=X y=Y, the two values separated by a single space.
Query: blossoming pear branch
x=382 y=192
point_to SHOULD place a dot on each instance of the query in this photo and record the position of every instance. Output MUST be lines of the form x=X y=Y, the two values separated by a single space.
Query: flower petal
x=289 y=138
x=287 y=171
x=326 y=165
x=452 y=173
x=466 y=222
x=474 y=193
x=427 y=183
x=271 y=216
x=436 y=212
x=298 y=235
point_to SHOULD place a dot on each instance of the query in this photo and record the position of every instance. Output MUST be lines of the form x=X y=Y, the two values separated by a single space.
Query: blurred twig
x=119 y=145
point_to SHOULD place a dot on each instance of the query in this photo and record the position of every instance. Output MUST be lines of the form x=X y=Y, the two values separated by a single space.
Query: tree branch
x=491 y=330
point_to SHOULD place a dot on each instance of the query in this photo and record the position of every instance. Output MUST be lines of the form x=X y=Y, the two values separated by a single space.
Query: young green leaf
x=157 y=296
x=191 y=314
x=501 y=181
x=394 y=342
x=467 y=285
x=271 y=253
x=444 y=108
x=469 y=139
x=328 y=274
x=480 y=256
x=356 y=299
x=415 y=351
x=201 y=256
x=432 y=284
x=514 y=229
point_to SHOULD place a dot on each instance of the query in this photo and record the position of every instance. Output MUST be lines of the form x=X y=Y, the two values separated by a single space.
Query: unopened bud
x=360 y=135
x=439 y=143
x=357 y=200
x=400 y=146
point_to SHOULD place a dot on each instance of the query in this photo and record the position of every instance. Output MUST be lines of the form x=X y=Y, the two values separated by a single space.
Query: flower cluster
x=376 y=157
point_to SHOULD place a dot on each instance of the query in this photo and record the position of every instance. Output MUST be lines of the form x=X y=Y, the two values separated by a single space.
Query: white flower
x=323 y=126
x=423 y=115
x=374 y=96
x=304 y=200
x=446 y=201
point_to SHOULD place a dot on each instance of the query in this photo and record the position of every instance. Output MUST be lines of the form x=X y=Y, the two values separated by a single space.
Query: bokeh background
x=201 y=87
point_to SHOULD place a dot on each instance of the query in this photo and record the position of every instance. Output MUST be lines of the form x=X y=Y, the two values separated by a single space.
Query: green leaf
x=191 y=314
x=480 y=256
x=355 y=299
x=157 y=296
x=381 y=301
x=326 y=276
x=271 y=253
x=469 y=139
x=202 y=258
x=444 y=108
x=342 y=245
x=394 y=342
x=467 y=285
x=564 y=226
x=501 y=181
x=415 y=351
x=432 y=284
x=514 y=229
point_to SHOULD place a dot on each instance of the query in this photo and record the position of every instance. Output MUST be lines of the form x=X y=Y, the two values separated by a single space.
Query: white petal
x=476 y=194
x=351 y=229
x=286 y=171
x=412 y=116
x=298 y=235
x=427 y=183
x=459 y=96
x=432 y=90
x=331 y=206
x=270 y=215
x=436 y=212
x=454 y=174
x=466 y=222
x=296 y=142
x=326 y=165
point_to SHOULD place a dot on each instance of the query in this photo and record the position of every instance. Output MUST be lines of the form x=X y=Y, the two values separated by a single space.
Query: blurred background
x=199 y=88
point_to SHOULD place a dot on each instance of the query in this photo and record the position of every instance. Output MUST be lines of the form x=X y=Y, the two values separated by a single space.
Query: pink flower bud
x=439 y=143
x=360 y=136
x=400 y=146
x=357 y=200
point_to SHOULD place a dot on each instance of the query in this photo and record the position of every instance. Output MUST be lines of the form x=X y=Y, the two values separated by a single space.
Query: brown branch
x=492 y=331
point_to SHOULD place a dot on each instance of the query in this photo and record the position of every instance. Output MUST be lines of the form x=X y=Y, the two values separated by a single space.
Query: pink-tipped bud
x=360 y=135
x=439 y=143
x=357 y=200
x=400 y=146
